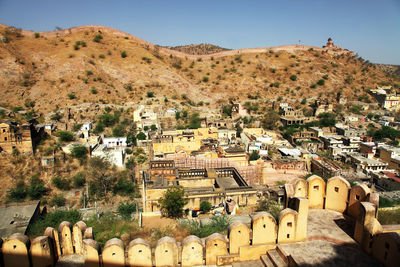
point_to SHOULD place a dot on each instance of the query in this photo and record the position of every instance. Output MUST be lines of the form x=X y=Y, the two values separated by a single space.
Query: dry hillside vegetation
x=101 y=65
x=200 y=49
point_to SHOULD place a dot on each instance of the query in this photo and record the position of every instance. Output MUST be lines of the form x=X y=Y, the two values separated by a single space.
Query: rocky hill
x=199 y=49
x=95 y=64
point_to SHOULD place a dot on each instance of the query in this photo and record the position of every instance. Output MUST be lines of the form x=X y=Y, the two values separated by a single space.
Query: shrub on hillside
x=65 y=136
x=125 y=210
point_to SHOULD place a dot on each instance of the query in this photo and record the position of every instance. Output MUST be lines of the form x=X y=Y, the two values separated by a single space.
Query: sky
x=370 y=28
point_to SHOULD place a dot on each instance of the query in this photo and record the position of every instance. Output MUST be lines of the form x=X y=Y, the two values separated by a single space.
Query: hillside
x=87 y=64
x=199 y=49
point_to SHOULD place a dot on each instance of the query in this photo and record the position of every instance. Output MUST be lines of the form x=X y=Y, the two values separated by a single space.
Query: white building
x=114 y=156
x=87 y=126
x=114 y=142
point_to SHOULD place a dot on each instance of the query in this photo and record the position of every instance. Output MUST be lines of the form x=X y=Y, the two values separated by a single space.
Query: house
x=114 y=156
x=386 y=98
x=87 y=126
x=22 y=137
x=145 y=117
x=365 y=164
x=115 y=142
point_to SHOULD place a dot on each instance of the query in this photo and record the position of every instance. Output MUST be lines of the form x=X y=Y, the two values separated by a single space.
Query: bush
x=218 y=224
x=36 y=187
x=65 y=136
x=150 y=94
x=17 y=193
x=79 y=180
x=153 y=127
x=119 y=130
x=57 y=200
x=36 y=34
x=93 y=90
x=321 y=82
x=54 y=219
x=102 y=56
x=124 y=187
x=77 y=127
x=205 y=206
x=123 y=54
x=61 y=183
x=205 y=79
x=125 y=210
x=293 y=77
x=79 y=151
x=71 y=96
x=97 y=38
x=99 y=128
x=141 y=136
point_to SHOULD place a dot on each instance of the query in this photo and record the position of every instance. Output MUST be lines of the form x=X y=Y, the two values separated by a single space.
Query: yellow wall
x=316 y=192
x=337 y=194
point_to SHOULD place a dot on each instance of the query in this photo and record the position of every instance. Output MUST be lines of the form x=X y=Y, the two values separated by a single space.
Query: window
x=289 y=224
x=288 y=236
x=316 y=187
x=357 y=197
x=5 y=138
x=336 y=189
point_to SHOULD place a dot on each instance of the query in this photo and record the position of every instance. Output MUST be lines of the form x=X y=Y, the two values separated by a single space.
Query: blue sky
x=369 y=27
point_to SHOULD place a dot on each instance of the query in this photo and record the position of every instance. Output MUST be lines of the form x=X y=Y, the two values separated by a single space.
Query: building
x=366 y=165
x=115 y=156
x=17 y=218
x=115 y=142
x=386 y=98
x=145 y=117
x=22 y=137
x=386 y=180
x=390 y=155
x=214 y=185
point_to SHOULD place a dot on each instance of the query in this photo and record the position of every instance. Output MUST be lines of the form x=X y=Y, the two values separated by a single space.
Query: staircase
x=275 y=258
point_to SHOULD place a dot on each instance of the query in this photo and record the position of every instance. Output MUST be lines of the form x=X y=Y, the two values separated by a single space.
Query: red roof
x=392 y=175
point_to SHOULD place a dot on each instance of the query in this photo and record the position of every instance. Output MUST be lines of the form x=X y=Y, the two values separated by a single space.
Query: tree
x=119 y=130
x=153 y=127
x=125 y=210
x=205 y=206
x=79 y=152
x=101 y=176
x=254 y=155
x=141 y=136
x=36 y=187
x=123 y=54
x=327 y=119
x=293 y=77
x=172 y=202
x=65 y=136
x=270 y=119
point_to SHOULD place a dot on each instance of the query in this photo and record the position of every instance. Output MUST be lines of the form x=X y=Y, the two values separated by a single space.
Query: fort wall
x=243 y=242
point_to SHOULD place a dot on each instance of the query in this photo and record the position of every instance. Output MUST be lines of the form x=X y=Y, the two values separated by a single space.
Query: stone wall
x=243 y=243
x=357 y=202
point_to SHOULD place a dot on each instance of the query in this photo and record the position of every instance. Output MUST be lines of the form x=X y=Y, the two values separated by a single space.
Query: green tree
x=79 y=152
x=125 y=210
x=36 y=188
x=123 y=54
x=327 y=119
x=57 y=200
x=99 y=128
x=270 y=119
x=254 y=155
x=17 y=193
x=61 y=183
x=79 y=180
x=172 y=202
x=65 y=136
x=119 y=131
x=97 y=38
x=153 y=127
x=293 y=77
x=205 y=206
x=141 y=136
x=100 y=176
